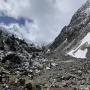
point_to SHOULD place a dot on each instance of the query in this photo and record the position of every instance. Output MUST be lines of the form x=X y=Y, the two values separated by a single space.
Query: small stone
x=47 y=68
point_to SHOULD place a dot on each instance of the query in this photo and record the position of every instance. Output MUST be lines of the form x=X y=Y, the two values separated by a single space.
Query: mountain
x=74 y=39
x=16 y=26
x=16 y=55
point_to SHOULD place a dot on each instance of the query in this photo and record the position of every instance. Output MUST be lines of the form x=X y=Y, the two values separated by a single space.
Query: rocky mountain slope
x=74 y=38
x=16 y=55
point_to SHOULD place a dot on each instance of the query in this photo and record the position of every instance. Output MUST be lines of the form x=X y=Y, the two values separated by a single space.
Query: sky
x=38 y=20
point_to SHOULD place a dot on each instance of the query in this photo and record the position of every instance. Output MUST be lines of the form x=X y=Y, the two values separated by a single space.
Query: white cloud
x=49 y=15
x=15 y=8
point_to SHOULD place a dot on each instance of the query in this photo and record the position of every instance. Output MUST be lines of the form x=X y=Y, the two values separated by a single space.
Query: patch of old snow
x=86 y=39
x=78 y=52
x=47 y=68
x=53 y=64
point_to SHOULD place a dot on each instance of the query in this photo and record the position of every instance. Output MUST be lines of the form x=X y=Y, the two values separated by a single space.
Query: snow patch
x=80 y=51
x=47 y=68
x=78 y=54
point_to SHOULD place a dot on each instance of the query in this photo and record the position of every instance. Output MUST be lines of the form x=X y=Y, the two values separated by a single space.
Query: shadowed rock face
x=59 y=39
x=12 y=58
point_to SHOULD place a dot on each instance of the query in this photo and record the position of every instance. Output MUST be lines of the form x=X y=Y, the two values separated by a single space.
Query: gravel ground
x=72 y=72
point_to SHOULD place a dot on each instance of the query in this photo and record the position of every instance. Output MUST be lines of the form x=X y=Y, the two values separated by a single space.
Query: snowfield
x=78 y=52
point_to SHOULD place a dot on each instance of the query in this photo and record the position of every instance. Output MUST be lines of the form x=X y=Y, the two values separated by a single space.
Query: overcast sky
x=49 y=16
